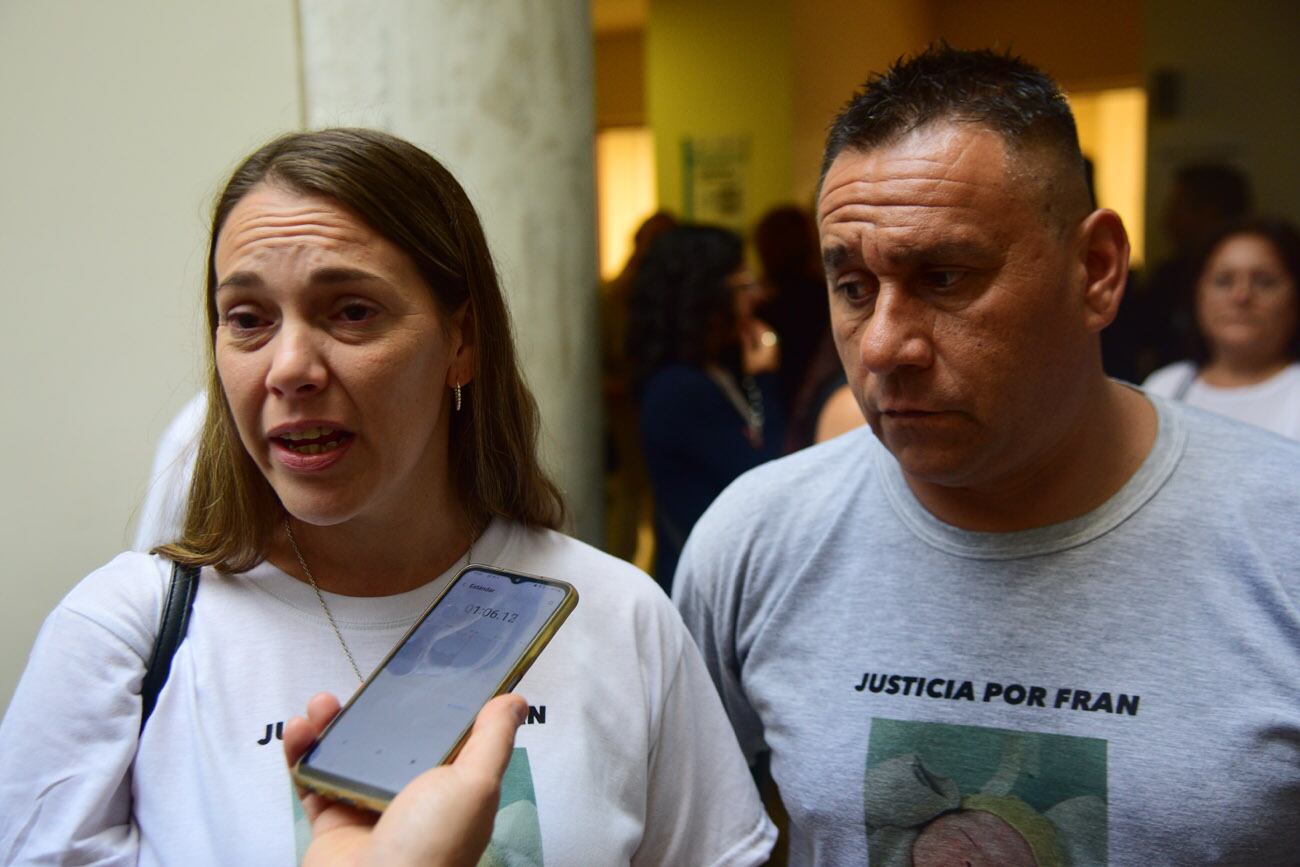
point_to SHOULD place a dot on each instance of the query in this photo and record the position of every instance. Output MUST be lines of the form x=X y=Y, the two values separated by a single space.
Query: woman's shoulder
x=124 y=596
x=601 y=580
x=579 y=562
x=1169 y=378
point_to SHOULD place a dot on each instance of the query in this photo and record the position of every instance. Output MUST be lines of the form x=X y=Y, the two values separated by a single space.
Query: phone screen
x=416 y=707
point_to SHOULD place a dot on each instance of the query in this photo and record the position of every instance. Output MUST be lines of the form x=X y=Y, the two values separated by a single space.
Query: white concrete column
x=501 y=91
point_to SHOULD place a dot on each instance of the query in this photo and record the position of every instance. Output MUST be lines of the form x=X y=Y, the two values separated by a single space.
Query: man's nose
x=297 y=365
x=896 y=334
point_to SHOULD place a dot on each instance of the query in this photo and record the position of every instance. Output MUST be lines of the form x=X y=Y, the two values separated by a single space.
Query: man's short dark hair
x=998 y=91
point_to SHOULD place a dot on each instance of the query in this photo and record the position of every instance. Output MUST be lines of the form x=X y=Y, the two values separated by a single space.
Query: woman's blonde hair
x=412 y=200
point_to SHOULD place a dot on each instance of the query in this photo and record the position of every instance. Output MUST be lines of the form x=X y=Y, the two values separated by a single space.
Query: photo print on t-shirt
x=939 y=794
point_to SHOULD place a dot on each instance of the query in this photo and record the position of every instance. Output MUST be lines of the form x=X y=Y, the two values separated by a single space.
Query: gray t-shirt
x=1122 y=688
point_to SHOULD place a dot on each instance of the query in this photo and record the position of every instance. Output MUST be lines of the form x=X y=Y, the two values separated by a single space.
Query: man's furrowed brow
x=837 y=256
x=944 y=252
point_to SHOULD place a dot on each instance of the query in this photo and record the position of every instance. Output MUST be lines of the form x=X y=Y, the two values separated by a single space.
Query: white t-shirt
x=1273 y=404
x=627 y=756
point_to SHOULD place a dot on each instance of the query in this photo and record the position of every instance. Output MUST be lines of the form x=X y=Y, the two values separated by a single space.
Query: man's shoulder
x=1229 y=444
x=1229 y=464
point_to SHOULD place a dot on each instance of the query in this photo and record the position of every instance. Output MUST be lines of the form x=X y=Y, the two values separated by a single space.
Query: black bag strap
x=171 y=632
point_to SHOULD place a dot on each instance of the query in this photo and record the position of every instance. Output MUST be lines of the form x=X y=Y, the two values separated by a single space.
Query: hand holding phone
x=443 y=817
x=476 y=640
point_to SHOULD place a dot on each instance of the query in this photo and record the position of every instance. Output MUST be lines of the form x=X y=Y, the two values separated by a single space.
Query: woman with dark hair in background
x=705 y=371
x=367 y=434
x=1244 y=362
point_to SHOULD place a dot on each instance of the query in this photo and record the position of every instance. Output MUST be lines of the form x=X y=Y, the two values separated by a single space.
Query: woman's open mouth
x=313 y=441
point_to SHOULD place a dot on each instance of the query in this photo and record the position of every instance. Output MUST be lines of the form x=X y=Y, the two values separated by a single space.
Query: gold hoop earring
x=456 y=391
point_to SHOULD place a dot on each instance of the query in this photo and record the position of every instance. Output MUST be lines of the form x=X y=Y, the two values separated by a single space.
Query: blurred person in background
x=627 y=485
x=706 y=374
x=1155 y=324
x=795 y=306
x=1244 y=361
x=813 y=384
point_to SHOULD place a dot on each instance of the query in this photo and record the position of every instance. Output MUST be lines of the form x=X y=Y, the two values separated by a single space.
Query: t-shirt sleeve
x=701 y=590
x=696 y=773
x=68 y=739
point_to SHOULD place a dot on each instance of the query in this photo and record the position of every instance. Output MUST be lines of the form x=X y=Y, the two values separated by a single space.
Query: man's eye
x=943 y=279
x=852 y=289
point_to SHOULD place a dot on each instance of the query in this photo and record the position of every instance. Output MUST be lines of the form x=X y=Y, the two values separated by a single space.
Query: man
x=1038 y=617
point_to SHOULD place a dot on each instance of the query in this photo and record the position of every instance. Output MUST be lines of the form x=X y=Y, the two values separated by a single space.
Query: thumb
x=487 y=751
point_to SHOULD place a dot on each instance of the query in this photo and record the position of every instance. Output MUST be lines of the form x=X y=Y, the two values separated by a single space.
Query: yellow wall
x=1113 y=133
x=625 y=192
x=721 y=69
x=620 y=79
x=1082 y=45
x=835 y=45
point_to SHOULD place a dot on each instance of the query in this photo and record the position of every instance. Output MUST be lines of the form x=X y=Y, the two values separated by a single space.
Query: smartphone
x=413 y=713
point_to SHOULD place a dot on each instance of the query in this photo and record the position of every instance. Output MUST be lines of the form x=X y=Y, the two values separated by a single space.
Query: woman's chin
x=316 y=513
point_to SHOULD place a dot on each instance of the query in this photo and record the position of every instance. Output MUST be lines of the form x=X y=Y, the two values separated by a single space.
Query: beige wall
x=120 y=119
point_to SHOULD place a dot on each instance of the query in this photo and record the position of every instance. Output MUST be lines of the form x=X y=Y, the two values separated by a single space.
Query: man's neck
x=1115 y=433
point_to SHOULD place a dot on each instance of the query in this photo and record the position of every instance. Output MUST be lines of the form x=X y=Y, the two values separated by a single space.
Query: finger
x=322 y=708
x=490 y=742
x=298 y=735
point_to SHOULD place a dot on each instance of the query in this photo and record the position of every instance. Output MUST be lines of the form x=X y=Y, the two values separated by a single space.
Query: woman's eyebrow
x=328 y=276
x=338 y=274
x=240 y=280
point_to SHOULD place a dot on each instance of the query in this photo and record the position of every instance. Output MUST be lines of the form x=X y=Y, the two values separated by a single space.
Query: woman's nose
x=297 y=365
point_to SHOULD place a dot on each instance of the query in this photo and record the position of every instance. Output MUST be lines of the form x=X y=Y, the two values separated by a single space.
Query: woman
x=1248 y=314
x=705 y=371
x=368 y=434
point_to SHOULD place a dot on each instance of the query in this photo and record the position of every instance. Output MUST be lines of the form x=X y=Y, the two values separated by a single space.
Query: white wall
x=118 y=121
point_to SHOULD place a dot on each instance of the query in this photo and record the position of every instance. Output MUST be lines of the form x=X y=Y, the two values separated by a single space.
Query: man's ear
x=1103 y=256
x=464 y=351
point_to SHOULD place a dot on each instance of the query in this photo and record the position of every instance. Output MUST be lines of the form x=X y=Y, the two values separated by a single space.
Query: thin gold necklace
x=338 y=633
